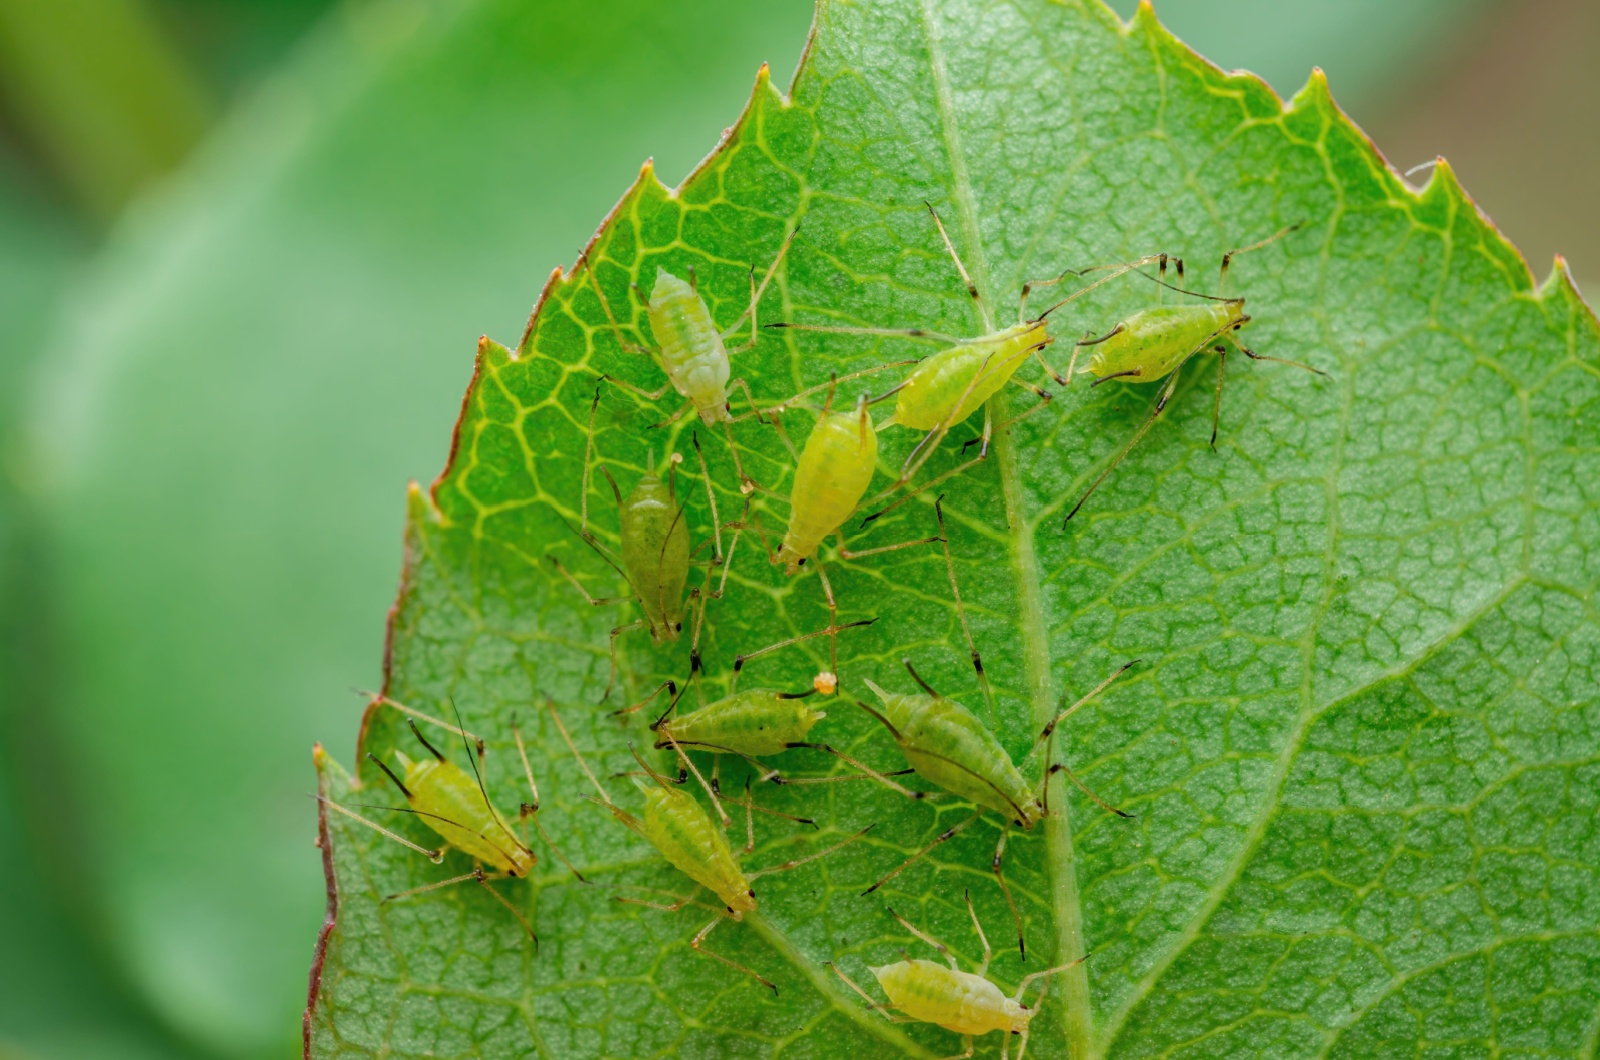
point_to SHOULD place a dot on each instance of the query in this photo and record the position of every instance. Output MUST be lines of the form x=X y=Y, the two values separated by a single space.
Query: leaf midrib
x=1067 y=907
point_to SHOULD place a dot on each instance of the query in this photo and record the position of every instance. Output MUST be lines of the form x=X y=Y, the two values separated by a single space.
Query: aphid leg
x=435 y=856
x=1048 y=732
x=942 y=837
x=966 y=1040
x=999 y=877
x=617 y=631
x=878 y=1007
x=740 y=660
x=1118 y=269
x=845 y=553
x=648 y=395
x=972 y=288
x=983 y=965
x=797 y=862
x=747 y=484
x=794 y=399
x=1038 y=1002
x=1155 y=413
x=1060 y=767
x=669 y=686
x=961 y=611
x=711 y=794
x=700 y=937
x=749 y=817
x=425 y=888
x=687 y=899
x=1254 y=356
x=1227 y=259
x=888 y=333
x=929 y=939
x=1216 y=410
x=572 y=580
x=616 y=331
x=755 y=296
x=483 y=881
x=867 y=772
x=531 y=809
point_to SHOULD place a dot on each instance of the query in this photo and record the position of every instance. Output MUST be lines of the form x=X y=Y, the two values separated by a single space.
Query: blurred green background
x=246 y=247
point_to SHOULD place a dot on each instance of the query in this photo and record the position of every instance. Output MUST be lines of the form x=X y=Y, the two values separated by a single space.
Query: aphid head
x=792 y=561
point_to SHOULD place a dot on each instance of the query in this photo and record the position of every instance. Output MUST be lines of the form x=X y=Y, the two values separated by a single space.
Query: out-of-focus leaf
x=263 y=357
x=1364 y=744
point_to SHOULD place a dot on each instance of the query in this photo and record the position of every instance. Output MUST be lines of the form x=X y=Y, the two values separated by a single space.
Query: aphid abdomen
x=448 y=800
x=655 y=555
x=955 y=1000
x=692 y=353
x=685 y=835
x=949 y=747
x=1155 y=341
x=941 y=381
x=834 y=471
x=756 y=722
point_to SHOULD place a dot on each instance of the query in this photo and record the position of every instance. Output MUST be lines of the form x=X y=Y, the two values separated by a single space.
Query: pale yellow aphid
x=686 y=837
x=966 y=1003
x=691 y=350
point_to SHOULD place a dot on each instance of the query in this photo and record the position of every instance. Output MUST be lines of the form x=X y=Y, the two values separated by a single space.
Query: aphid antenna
x=797 y=862
x=588 y=453
x=1183 y=290
x=1048 y=731
x=756 y=291
x=669 y=685
x=443 y=820
x=925 y=937
x=740 y=660
x=435 y=856
x=532 y=809
x=988 y=953
x=876 y=1006
x=972 y=288
x=672 y=704
x=1061 y=767
x=961 y=611
x=555 y=715
x=711 y=496
x=420 y=716
x=1117 y=270
x=1222 y=280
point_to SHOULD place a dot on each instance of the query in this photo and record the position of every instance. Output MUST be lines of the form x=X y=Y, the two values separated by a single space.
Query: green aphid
x=456 y=806
x=685 y=835
x=653 y=553
x=1154 y=343
x=944 y=743
x=689 y=347
x=755 y=723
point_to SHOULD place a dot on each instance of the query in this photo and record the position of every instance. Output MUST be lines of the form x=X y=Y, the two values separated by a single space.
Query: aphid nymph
x=686 y=836
x=691 y=351
x=966 y=1003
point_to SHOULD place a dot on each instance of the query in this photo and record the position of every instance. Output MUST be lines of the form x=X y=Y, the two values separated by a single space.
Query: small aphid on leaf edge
x=458 y=809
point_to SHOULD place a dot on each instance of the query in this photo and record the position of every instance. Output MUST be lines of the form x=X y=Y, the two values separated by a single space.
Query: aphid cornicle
x=1154 y=343
x=691 y=350
x=456 y=806
x=653 y=554
x=948 y=746
x=685 y=835
x=967 y=1003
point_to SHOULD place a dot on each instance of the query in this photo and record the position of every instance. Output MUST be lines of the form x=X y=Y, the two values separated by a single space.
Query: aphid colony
x=943 y=743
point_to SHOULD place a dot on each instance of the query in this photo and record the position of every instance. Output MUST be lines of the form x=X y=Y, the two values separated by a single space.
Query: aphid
x=690 y=840
x=690 y=349
x=948 y=746
x=946 y=388
x=457 y=807
x=1154 y=343
x=653 y=554
x=967 y=1003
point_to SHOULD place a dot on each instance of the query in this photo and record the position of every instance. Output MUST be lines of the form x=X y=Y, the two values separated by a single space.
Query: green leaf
x=1361 y=745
